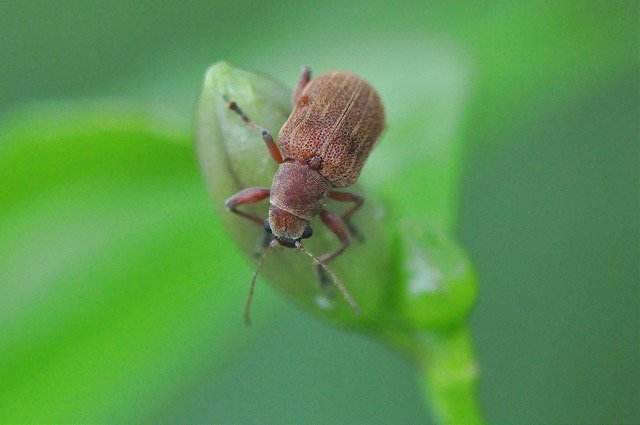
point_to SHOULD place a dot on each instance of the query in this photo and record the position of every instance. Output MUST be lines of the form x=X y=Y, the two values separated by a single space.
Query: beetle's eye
x=267 y=227
x=308 y=232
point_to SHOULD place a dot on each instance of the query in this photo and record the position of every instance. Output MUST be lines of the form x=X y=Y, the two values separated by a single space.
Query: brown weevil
x=336 y=121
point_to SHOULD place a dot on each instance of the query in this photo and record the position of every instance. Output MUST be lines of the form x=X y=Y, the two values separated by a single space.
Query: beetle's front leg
x=346 y=216
x=337 y=227
x=268 y=139
x=246 y=197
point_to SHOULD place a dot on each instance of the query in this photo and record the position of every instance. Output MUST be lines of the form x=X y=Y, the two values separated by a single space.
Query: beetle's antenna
x=247 y=306
x=231 y=104
x=334 y=276
x=268 y=139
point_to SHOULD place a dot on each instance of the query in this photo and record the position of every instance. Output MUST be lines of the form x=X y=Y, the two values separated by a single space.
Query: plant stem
x=449 y=376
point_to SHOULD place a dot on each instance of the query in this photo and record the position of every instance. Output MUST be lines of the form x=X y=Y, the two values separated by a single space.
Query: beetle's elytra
x=336 y=121
x=337 y=124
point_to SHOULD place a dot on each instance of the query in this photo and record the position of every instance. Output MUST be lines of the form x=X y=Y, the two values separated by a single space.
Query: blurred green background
x=121 y=299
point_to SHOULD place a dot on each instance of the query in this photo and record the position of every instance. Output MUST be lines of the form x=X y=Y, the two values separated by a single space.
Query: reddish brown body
x=334 y=125
x=336 y=121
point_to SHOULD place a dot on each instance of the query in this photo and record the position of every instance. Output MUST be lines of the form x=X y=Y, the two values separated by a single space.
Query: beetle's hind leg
x=305 y=77
x=346 y=216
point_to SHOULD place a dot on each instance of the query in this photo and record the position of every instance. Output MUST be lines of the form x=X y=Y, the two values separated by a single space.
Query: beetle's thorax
x=297 y=194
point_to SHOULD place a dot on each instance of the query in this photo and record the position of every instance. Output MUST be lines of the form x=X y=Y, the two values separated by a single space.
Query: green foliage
x=105 y=264
x=513 y=127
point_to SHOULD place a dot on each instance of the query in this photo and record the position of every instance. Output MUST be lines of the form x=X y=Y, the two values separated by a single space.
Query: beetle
x=336 y=121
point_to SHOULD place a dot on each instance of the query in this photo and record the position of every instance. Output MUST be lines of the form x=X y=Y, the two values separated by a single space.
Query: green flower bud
x=414 y=285
x=402 y=276
x=233 y=157
x=439 y=284
x=423 y=281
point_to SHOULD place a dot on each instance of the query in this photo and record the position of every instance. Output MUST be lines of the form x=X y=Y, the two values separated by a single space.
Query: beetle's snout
x=307 y=233
x=286 y=241
x=286 y=226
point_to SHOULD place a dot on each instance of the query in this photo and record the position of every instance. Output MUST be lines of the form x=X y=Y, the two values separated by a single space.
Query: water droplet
x=425 y=277
x=324 y=302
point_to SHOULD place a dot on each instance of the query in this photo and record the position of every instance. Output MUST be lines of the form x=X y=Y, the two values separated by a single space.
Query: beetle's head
x=286 y=227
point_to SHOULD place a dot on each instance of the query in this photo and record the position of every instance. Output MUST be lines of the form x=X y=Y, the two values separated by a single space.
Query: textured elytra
x=340 y=120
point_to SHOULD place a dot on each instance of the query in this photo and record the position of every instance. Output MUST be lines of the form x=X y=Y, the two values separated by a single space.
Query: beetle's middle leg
x=268 y=139
x=338 y=228
x=346 y=216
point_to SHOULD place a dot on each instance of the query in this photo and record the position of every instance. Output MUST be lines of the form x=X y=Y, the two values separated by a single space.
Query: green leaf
x=115 y=280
